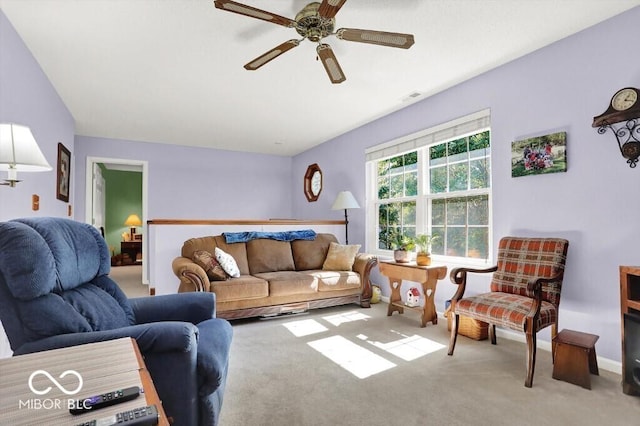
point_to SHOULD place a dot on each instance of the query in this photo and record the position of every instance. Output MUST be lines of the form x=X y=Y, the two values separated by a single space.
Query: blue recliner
x=55 y=292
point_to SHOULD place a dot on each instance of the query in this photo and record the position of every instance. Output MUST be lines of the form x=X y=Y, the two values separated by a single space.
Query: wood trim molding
x=243 y=222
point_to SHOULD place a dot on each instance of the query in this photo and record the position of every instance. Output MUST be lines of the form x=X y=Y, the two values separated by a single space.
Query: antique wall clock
x=313 y=182
x=624 y=108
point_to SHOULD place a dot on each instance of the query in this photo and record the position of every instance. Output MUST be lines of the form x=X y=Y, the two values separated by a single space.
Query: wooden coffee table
x=427 y=276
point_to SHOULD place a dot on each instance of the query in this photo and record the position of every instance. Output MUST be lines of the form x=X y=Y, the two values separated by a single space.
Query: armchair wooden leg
x=454 y=333
x=531 y=358
x=492 y=333
x=554 y=333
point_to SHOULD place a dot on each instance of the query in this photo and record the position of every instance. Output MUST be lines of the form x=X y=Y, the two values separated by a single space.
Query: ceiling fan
x=315 y=22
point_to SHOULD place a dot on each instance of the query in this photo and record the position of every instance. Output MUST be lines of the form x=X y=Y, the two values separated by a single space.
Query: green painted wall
x=123 y=197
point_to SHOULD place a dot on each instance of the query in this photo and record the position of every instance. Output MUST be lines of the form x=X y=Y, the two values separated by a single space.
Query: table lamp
x=133 y=220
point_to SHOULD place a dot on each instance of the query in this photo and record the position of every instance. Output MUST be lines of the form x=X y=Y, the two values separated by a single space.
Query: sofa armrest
x=190 y=307
x=192 y=276
x=363 y=264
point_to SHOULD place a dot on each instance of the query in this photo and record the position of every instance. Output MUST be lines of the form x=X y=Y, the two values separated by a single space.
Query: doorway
x=95 y=205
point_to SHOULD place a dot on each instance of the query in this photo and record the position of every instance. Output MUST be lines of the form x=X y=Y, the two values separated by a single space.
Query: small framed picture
x=539 y=155
x=64 y=173
x=137 y=237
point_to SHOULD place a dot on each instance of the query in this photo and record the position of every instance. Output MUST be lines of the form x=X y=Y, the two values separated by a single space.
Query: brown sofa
x=275 y=276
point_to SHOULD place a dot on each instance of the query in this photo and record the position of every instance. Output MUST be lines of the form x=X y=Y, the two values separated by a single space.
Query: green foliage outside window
x=458 y=223
x=396 y=220
x=398 y=176
x=462 y=226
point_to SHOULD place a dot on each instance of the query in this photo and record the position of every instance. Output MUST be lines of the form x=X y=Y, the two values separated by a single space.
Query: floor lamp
x=345 y=201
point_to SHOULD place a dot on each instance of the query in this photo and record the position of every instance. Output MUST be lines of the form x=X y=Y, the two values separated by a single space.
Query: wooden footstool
x=575 y=357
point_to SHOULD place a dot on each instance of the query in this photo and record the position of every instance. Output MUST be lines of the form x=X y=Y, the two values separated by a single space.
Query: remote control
x=104 y=400
x=143 y=416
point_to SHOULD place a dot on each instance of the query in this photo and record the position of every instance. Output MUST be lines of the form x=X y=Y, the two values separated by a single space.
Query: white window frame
x=421 y=141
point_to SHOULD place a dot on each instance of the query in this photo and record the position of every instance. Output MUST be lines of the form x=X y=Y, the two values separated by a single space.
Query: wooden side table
x=427 y=276
x=575 y=357
x=96 y=368
x=132 y=248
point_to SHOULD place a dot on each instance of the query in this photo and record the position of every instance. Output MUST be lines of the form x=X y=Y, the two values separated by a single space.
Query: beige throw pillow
x=340 y=257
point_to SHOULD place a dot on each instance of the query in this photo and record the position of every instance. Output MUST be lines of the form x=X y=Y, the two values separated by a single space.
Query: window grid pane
x=395 y=219
x=465 y=230
x=458 y=180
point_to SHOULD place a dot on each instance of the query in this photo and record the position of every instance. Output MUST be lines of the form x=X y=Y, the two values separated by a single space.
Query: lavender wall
x=563 y=86
x=594 y=205
x=197 y=183
x=27 y=97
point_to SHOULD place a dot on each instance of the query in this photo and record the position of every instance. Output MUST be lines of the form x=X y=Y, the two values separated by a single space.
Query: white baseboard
x=603 y=363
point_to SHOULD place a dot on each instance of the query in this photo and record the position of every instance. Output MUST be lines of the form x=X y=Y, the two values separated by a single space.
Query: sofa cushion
x=210 y=264
x=285 y=283
x=336 y=280
x=243 y=287
x=340 y=257
x=227 y=262
x=265 y=255
x=309 y=255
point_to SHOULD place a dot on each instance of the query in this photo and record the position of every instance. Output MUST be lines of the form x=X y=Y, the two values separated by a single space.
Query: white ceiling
x=171 y=71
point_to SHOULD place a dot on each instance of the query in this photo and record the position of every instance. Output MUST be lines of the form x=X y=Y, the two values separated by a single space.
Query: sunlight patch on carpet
x=350 y=316
x=357 y=360
x=410 y=347
x=305 y=327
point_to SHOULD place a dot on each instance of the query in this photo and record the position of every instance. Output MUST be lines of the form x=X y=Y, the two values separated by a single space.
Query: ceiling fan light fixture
x=315 y=22
x=310 y=24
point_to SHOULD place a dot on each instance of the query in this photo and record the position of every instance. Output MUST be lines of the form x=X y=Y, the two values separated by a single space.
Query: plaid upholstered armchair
x=525 y=292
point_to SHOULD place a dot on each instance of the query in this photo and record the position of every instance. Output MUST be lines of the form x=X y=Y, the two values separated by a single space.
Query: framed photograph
x=64 y=173
x=539 y=155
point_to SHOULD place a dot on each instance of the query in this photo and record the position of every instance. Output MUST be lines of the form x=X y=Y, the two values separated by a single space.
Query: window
x=397 y=179
x=442 y=187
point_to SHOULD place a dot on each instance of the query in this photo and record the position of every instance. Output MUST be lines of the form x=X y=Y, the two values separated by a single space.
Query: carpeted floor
x=399 y=374
x=129 y=278
x=353 y=366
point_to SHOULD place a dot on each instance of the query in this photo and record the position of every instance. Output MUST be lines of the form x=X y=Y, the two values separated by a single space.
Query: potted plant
x=402 y=246
x=423 y=241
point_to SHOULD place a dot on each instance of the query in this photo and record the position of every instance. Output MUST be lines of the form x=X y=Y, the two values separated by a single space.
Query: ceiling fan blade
x=381 y=38
x=272 y=54
x=330 y=63
x=329 y=8
x=253 y=12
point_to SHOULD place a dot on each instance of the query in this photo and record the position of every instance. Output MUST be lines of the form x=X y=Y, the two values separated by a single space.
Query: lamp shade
x=345 y=200
x=133 y=220
x=19 y=150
